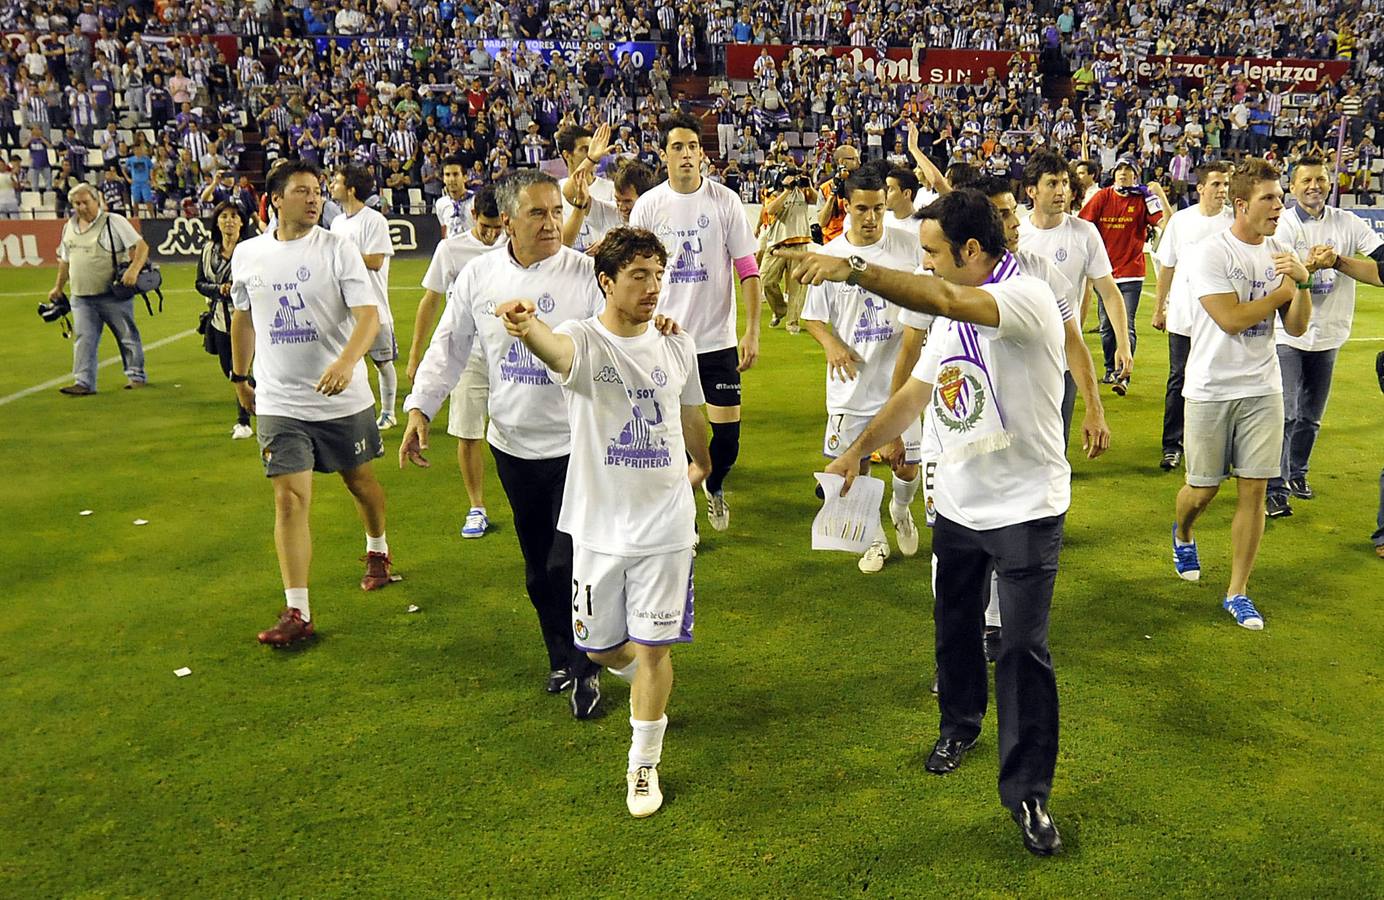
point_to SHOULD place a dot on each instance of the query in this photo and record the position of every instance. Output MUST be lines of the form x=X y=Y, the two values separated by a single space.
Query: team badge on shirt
x=958 y=399
x=304 y=273
x=1061 y=254
x=546 y=303
x=703 y=221
x=659 y=376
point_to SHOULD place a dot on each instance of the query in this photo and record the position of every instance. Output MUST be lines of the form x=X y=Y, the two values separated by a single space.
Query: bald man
x=832 y=216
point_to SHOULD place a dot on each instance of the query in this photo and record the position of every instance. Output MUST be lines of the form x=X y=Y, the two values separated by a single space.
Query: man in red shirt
x=1123 y=214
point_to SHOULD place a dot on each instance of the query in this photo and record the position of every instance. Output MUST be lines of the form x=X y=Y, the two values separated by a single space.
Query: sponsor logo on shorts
x=727 y=387
x=658 y=616
x=580 y=630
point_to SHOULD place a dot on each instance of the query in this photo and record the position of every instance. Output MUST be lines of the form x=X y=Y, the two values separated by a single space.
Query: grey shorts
x=386 y=348
x=1242 y=436
x=335 y=445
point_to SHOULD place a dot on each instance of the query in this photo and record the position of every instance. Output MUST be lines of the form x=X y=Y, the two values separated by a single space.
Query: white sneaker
x=717 y=512
x=642 y=794
x=905 y=532
x=241 y=432
x=386 y=421
x=874 y=558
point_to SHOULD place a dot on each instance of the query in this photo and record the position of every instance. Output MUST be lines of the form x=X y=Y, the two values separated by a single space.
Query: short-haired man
x=831 y=217
x=1123 y=214
x=466 y=412
x=862 y=336
x=581 y=148
x=1328 y=240
x=454 y=208
x=1244 y=279
x=634 y=401
x=90 y=251
x=709 y=241
x=992 y=377
x=368 y=230
x=306 y=314
x=528 y=433
x=786 y=219
x=590 y=219
x=1085 y=182
x=1174 y=305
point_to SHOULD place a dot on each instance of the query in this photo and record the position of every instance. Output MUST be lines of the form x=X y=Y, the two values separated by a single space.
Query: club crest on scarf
x=959 y=399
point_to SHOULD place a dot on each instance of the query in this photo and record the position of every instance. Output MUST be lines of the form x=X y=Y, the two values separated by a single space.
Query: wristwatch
x=857 y=265
x=238 y=379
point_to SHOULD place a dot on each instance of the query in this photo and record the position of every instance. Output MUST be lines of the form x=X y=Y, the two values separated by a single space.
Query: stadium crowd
x=145 y=101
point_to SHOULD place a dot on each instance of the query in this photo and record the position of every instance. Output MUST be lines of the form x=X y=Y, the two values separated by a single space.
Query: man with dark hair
x=900 y=195
x=529 y=434
x=368 y=230
x=1329 y=240
x=862 y=336
x=466 y=414
x=453 y=208
x=1085 y=181
x=588 y=218
x=306 y=314
x=991 y=381
x=583 y=149
x=1174 y=306
x=704 y=227
x=1244 y=280
x=631 y=585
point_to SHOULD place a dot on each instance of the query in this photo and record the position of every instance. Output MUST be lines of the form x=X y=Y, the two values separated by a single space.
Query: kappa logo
x=187 y=237
x=1237 y=274
x=608 y=375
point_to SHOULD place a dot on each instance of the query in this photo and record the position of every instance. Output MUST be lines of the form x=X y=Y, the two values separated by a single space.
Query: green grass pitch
x=416 y=755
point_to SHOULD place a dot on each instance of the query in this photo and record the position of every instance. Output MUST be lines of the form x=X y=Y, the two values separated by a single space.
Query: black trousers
x=1025 y=558
x=223 y=354
x=1178 y=349
x=534 y=488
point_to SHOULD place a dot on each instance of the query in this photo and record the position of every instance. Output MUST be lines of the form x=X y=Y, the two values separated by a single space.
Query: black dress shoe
x=992 y=643
x=946 y=755
x=1039 y=831
x=559 y=680
x=586 y=694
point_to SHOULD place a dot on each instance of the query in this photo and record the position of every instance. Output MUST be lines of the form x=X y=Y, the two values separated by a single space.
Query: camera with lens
x=57 y=311
x=789 y=178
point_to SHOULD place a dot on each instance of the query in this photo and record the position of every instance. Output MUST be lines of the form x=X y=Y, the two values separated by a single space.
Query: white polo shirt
x=1333 y=292
x=1030 y=479
x=1187 y=229
x=1074 y=247
x=528 y=416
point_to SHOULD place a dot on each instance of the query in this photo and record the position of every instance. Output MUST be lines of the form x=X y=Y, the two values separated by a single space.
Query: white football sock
x=646 y=748
x=902 y=498
x=992 y=611
x=389 y=387
x=377 y=544
x=627 y=673
x=298 y=599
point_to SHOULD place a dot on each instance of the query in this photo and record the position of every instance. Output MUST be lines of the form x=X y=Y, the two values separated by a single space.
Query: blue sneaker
x=1185 y=559
x=1246 y=616
x=477 y=522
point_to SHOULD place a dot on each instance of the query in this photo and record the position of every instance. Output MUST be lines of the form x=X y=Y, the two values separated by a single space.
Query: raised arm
x=922 y=293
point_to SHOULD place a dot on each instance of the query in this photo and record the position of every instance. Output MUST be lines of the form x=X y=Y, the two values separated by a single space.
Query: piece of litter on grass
x=412 y=608
x=183 y=672
x=177 y=385
x=394 y=578
x=141 y=521
x=1148 y=637
x=85 y=512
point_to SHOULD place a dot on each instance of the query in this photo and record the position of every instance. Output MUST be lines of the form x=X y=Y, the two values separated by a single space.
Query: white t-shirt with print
x=864 y=321
x=600 y=219
x=455 y=216
x=528 y=417
x=1224 y=366
x=1333 y=292
x=299 y=295
x=451 y=256
x=704 y=232
x=1030 y=479
x=1187 y=229
x=626 y=492
x=1073 y=246
x=368 y=230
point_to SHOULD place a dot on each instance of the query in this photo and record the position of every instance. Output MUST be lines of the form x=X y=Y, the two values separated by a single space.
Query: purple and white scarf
x=964 y=417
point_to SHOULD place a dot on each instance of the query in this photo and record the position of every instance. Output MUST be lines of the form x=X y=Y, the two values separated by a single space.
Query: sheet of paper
x=849 y=522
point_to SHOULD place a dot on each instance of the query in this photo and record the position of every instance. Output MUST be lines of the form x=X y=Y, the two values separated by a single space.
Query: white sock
x=904 y=492
x=298 y=599
x=1180 y=542
x=376 y=544
x=646 y=747
x=992 y=611
x=389 y=387
x=627 y=673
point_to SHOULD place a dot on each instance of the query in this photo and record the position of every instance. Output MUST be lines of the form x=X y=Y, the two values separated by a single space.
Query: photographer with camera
x=95 y=245
x=786 y=222
x=832 y=217
x=214 y=283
